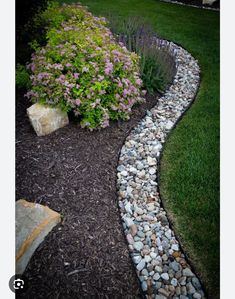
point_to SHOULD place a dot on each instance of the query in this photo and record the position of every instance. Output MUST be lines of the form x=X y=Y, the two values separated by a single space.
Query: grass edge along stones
x=160 y=264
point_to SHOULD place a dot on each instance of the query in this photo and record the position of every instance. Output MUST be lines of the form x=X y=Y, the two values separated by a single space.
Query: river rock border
x=159 y=261
x=191 y=5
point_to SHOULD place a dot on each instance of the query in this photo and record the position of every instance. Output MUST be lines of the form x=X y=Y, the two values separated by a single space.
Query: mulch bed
x=73 y=171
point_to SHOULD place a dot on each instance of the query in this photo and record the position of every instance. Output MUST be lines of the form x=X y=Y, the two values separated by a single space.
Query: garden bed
x=73 y=171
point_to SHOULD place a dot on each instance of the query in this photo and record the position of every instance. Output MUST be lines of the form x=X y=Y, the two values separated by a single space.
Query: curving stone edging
x=160 y=264
x=191 y=5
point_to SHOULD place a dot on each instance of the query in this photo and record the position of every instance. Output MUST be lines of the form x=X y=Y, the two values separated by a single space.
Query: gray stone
x=33 y=223
x=147 y=258
x=128 y=221
x=174 y=282
x=209 y=2
x=139 y=210
x=130 y=239
x=168 y=234
x=151 y=161
x=141 y=265
x=163 y=292
x=133 y=229
x=144 y=272
x=196 y=283
x=183 y=290
x=165 y=276
x=140 y=234
x=177 y=291
x=187 y=272
x=124 y=173
x=137 y=259
x=128 y=208
x=175 y=266
x=182 y=280
x=190 y=288
x=46 y=119
x=197 y=296
x=138 y=245
x=175 y=247
x=158 y=269
x=156 y=276
x=144 y=286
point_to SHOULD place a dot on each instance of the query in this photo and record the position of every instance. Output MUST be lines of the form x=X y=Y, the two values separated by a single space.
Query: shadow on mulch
x=73 y=171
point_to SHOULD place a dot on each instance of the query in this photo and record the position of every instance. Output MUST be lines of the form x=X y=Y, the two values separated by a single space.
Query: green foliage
x=83 y=69
x=22 y=77
x=157 y=67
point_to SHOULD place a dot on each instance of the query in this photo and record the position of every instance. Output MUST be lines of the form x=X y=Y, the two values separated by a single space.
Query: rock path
x=160 y=264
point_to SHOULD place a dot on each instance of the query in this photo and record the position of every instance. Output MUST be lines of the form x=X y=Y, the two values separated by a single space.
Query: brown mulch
x=73 y=171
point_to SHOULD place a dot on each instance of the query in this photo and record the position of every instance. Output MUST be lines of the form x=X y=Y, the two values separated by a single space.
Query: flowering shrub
x=82 y=68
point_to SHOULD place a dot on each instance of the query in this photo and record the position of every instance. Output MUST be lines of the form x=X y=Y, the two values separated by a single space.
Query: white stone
x=174 y=282
x=175 y=247
x=141 y=265
x=46 y=119
x=151 y=161
x=128 y=208
x=156 y=276
x=165 y=276
x=128 y=221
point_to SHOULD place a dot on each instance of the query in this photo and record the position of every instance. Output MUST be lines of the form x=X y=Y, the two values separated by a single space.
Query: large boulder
x=45 y=119
x=33 y=223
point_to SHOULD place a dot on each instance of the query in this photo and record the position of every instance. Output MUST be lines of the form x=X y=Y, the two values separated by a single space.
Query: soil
x=73 y=171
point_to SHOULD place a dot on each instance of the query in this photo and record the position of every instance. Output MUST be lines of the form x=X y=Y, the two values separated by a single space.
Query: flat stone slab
x=45 y=119
x=33 y=223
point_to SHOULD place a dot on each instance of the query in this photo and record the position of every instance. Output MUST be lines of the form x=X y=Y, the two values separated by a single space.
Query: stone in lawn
x=45 y=119
x=33 y=223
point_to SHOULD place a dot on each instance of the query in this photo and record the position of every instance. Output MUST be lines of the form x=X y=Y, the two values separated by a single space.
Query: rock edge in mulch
x=160 y=263
x=33 y=223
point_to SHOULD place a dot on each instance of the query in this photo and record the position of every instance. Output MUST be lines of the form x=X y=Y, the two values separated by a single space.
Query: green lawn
x=190 y=161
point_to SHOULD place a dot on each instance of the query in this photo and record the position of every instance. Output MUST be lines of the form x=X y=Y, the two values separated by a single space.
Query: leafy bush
x=22 y=77
x=157 y=67
x=82 y=68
